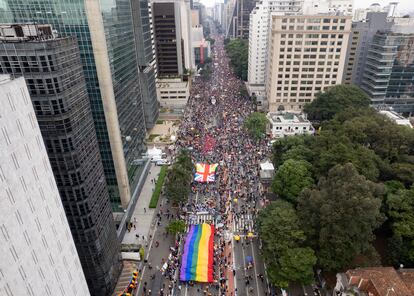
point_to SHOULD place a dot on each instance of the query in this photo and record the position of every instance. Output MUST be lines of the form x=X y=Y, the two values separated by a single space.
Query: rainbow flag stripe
x=197 y=260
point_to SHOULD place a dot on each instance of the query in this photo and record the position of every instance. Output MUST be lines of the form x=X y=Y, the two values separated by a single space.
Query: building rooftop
x=287 y=117
x=397 y=118
x=382 y=281
x=26 y=32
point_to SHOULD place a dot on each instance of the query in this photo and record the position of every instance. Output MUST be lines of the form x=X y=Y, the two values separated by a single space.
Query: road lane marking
x=255 y=270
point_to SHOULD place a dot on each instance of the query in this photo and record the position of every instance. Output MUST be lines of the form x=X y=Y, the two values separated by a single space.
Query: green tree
x=334 y=100
x=340 y=215
x=238 y=52
x=282 y=146
x=176 y=227
x=291 y=178
x=341 y=152
x=184 y=160
x=256 y=125
x=296 y=265
x=300 y=152
x=286 y=259
x=177 y=186
x=400 y=210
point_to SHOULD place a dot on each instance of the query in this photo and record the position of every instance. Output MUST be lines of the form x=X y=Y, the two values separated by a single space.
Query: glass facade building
x=70 y=18
x=57 y=88
x=388 y=77
x=146 y=60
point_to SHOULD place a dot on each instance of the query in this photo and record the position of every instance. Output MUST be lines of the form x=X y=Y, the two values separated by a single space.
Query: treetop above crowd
x=348 y=184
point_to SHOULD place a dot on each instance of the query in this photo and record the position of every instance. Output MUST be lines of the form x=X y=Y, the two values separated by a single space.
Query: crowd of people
x=212 y=130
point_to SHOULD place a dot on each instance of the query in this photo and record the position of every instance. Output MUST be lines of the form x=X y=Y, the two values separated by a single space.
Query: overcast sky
x=403 y=7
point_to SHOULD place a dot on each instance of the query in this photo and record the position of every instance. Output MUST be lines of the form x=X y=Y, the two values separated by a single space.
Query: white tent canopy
x=267 y=166
x=154 y=152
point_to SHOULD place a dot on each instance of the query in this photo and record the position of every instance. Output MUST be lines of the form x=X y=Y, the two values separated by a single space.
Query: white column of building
x=38 y=254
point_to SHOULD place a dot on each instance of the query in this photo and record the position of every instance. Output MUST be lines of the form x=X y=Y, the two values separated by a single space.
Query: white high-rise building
x=306 y=55
x=258 y=41
x=260 y=21
x=333 y=7
x=38 y=253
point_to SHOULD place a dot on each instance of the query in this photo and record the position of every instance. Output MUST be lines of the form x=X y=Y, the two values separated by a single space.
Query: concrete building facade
x=104 y=31
x=258 y=42
x=306 y=55
x=146 y=61
x=38 y=252
x=332 y=7
x=53 y=73
x=361 y=37
x=173 y=49
x=389 y=74
x=284 y=124
x=239 y=15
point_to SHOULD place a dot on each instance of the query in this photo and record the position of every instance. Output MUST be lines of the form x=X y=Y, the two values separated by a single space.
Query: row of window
x=312 y=36
x=312 y=56
x=311 y=42
x=313 y=49
x=313 y=28
x=307 y=69
x=305 y=63
x=313 y=20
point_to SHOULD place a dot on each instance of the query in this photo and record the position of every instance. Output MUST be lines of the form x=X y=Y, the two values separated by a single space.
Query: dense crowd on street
x=215 y=114
x=212 y=130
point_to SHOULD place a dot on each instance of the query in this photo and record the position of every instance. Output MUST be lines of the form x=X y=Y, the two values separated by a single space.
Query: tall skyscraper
x=38 y=253
x=306 y=55
x=361 y=37
x=389 y=73
x=53 y=73
x=380 y=58
x=146 y=60
x=260 y=19
x=104 y=31
x=172 y=37
x=258 y=42
x=239 y=23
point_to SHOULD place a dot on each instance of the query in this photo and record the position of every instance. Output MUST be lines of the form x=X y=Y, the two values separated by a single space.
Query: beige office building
x=306 y=55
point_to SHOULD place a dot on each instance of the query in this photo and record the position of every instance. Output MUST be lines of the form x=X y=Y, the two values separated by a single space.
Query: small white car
x=163 y=162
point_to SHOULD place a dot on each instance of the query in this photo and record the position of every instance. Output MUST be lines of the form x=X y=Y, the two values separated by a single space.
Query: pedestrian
x=145 y=210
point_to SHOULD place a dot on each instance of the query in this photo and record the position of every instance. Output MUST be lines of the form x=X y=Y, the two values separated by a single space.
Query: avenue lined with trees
x=339 y=191
x=179 y=177
x=238 y=52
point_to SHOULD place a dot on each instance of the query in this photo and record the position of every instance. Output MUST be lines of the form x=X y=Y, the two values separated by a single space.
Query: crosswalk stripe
x=244 y=223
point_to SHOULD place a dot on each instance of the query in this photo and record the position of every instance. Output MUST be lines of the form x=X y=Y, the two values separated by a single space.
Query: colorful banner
x=205 y=172
x=197 y=260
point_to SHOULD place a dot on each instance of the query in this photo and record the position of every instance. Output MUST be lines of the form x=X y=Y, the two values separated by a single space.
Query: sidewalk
x=142 y=216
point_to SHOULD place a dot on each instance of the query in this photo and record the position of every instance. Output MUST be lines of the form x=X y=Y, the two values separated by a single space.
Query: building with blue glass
x=104 y=30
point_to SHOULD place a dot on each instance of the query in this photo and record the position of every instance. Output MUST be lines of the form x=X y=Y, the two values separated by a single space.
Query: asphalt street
x=230 y=203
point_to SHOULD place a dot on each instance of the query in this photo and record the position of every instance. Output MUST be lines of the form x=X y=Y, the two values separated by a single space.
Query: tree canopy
x=355 y=152
x=286 y=258
x=340 y=215
x=400 y=211
x=334 y=100
x=238 y=52
x=179 y=177
x=176 y=227
x=256 y=125
x=291 y=178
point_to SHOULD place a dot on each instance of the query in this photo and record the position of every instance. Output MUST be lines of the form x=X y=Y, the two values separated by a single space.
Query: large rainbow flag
x=197 y=260
x=205 y=172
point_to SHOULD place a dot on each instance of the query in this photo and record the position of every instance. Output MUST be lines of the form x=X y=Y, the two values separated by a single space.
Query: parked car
x=163 y=162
